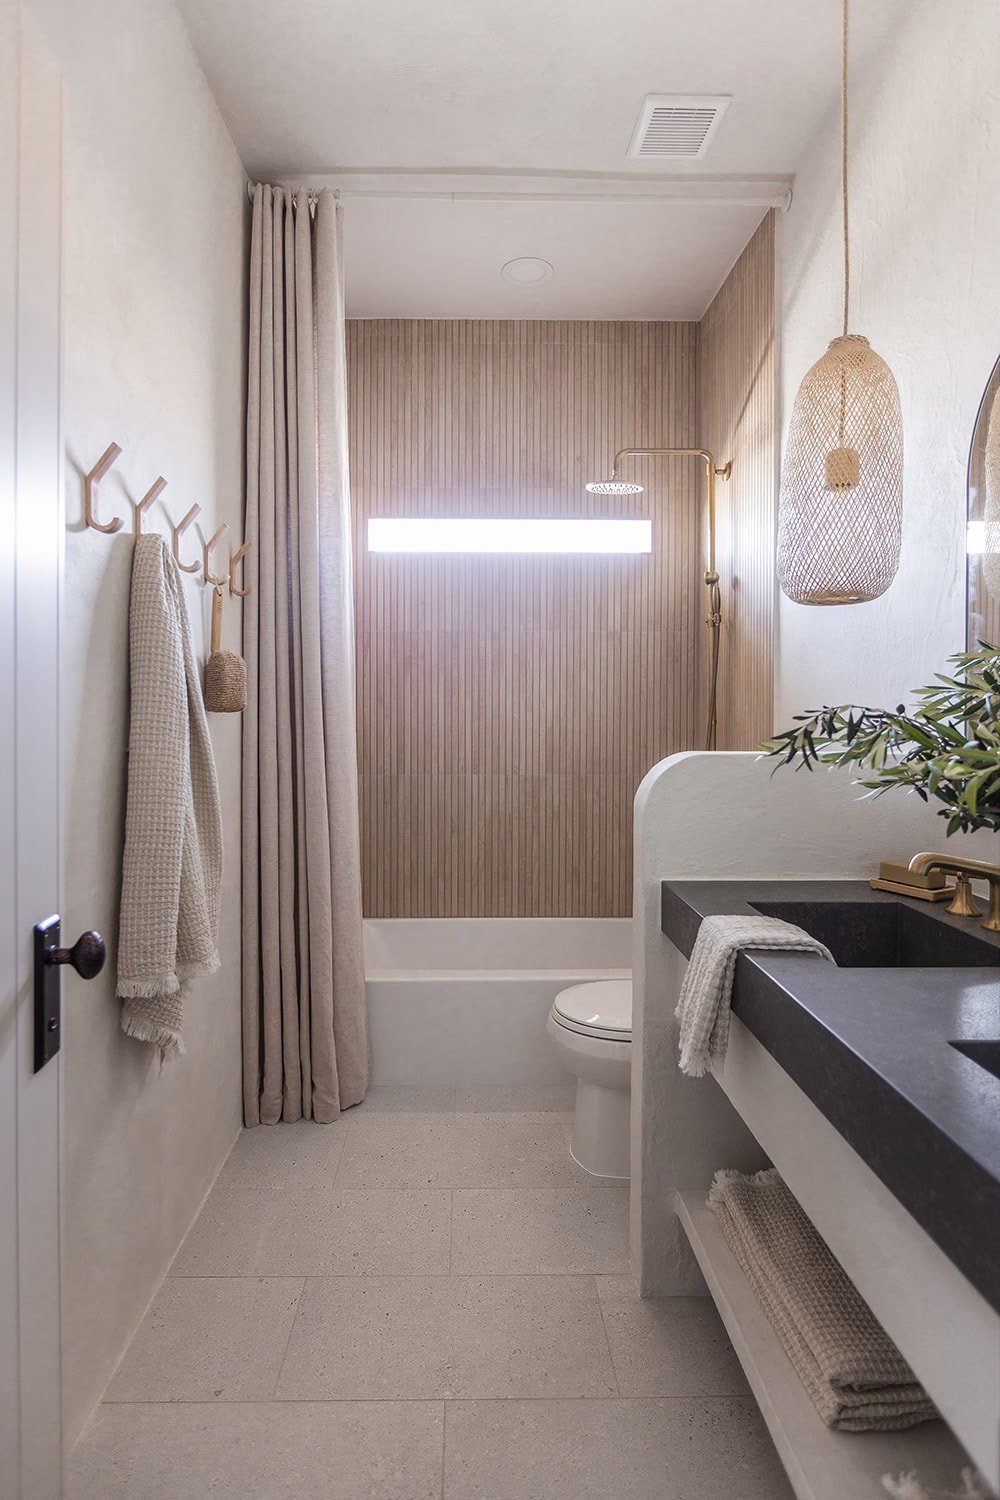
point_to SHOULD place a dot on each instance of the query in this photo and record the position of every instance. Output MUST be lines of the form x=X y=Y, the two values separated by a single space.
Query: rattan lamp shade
x=841 y=506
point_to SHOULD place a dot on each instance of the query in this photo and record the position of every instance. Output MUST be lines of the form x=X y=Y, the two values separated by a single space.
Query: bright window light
x=503 y=534
x=976 y=538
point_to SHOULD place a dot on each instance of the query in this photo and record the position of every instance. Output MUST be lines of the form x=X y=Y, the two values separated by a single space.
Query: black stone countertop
x=870 y=1047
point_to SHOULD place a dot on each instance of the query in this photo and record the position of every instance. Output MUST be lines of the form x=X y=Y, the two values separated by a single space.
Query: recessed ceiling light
x=527 y=270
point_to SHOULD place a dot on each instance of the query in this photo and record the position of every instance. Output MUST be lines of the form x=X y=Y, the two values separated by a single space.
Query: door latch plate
x=48 y=993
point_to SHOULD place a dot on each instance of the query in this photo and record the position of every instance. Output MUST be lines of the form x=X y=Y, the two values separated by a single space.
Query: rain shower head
x=614 y=487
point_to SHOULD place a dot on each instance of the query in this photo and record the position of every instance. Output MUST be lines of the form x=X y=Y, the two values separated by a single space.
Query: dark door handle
x=87 y=955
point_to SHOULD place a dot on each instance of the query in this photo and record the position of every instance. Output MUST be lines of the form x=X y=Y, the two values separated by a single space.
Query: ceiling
x=490 y=95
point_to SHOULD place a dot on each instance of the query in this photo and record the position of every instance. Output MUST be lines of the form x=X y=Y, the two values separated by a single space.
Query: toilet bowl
x=591 y=1025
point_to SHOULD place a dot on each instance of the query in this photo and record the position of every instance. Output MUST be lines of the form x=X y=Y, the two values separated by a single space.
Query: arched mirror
x=984 y=520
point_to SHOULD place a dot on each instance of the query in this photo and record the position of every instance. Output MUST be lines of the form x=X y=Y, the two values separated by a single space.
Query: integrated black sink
x=888 y=935
x=985 y=1053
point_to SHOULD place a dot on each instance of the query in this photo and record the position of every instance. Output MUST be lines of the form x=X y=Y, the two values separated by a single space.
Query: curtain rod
x=744 y=195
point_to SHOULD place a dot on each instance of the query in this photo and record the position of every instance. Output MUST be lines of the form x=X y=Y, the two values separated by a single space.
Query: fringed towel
x=855 y=1375
x=703 y=1007
x=172 y=869
x=908 y=1487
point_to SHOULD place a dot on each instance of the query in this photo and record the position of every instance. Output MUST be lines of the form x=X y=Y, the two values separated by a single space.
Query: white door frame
x=31 y=531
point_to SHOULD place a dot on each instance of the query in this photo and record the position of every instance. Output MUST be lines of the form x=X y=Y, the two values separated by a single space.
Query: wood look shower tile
x=381 y=1450
x=455 y=1151
x=288 y=1232
x=541 y=1230
x=209 y=1340
x=385 y=1337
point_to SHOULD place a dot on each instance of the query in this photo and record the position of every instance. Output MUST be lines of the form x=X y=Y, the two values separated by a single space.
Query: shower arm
x=713 y=470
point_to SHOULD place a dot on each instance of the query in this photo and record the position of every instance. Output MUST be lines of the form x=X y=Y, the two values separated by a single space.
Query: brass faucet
x=966 y=870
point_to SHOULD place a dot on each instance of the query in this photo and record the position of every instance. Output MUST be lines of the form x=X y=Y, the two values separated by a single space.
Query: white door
x=30 y=551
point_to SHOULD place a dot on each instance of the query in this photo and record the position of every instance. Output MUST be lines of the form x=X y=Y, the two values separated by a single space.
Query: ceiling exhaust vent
x=677 y=127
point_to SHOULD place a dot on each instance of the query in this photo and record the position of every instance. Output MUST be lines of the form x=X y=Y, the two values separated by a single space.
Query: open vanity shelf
x=821 y=1464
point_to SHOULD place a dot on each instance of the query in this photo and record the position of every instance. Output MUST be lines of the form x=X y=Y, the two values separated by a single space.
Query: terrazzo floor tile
x=300 y=1155
x=288 y=1232
x=593 y=1450
x=347 y=1450
x=541 y=1230
x=209 y=1341
x=675 y=1346
x=501 y=1099
x=400 y=1099
x=454 y=1151
x=447 y=1336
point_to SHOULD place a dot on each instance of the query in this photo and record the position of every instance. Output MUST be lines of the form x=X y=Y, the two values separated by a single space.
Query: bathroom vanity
x=873 y=1085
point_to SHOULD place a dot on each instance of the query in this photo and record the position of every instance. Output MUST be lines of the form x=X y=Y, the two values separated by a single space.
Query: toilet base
x=602 y=1125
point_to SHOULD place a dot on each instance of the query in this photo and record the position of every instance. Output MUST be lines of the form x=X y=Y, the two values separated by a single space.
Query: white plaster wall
x=925 y=185
x=154 y=311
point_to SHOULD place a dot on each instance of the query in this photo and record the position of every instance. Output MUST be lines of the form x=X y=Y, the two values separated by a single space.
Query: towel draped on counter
x=855 y=1375
x=172 y=867
x=703 y=1007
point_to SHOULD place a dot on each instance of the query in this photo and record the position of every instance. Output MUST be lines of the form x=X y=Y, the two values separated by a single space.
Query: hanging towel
x=855 y=1375
x=703 y=1007
x=172 y=869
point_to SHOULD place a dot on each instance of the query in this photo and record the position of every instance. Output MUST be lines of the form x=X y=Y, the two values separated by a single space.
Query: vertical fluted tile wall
x=739 y=421
x=509 y=706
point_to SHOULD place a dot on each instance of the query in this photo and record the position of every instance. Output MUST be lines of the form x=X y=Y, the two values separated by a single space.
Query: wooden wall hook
x=234 y=563
x=210 y=577
x=178 y=532
x=143 y=505
x=90 y=482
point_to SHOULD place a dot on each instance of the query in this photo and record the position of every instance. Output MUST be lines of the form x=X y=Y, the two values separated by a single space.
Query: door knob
x=86 y=956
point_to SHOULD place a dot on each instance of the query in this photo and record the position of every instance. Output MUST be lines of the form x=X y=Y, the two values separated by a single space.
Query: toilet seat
x=601 y=1009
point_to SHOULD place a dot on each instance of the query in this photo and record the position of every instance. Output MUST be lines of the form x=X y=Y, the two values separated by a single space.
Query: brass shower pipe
x=713 y=470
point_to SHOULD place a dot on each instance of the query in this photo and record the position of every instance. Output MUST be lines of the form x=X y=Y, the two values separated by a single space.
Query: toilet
x=591 y=1025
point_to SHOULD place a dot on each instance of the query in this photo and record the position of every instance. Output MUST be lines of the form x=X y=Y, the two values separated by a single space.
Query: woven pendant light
x=840 y=511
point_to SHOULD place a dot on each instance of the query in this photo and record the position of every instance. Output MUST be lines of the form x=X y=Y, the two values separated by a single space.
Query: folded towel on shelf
x=172 y=867
x=703 y=1007
x=908 y=1487
x=855 y=1375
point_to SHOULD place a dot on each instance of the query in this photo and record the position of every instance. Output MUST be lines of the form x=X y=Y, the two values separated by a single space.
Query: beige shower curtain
x=305 y=1030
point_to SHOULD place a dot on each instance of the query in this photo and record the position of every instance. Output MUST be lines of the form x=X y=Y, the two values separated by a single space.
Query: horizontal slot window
x=507 y=534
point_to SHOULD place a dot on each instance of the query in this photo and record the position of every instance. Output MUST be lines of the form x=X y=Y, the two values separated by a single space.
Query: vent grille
x=679 y=127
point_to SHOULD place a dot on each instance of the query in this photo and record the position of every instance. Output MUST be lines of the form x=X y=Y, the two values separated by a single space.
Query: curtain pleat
x=305 y=1030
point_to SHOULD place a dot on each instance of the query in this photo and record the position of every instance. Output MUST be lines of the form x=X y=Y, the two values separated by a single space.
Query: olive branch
x=946 y=748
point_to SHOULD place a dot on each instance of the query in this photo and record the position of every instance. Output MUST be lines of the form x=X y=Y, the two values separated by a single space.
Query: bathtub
x=464 y=1000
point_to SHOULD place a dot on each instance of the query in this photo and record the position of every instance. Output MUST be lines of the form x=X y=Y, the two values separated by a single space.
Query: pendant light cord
x=843 y=164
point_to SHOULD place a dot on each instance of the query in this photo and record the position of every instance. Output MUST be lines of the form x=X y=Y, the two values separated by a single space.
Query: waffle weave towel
x=855 y=1375
x=172 y=868
x=703 y=1007
x=908 y=1487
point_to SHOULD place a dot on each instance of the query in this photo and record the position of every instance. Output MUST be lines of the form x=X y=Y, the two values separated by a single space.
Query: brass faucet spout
x=966 y=870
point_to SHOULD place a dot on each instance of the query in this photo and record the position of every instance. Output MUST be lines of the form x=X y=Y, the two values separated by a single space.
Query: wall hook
x=90 y=482
x=178 y=532
x=143 y=505
x=234 y=563
x=210 y=577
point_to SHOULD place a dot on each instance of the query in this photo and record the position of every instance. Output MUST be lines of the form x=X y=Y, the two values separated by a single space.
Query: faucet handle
x=964 y=903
